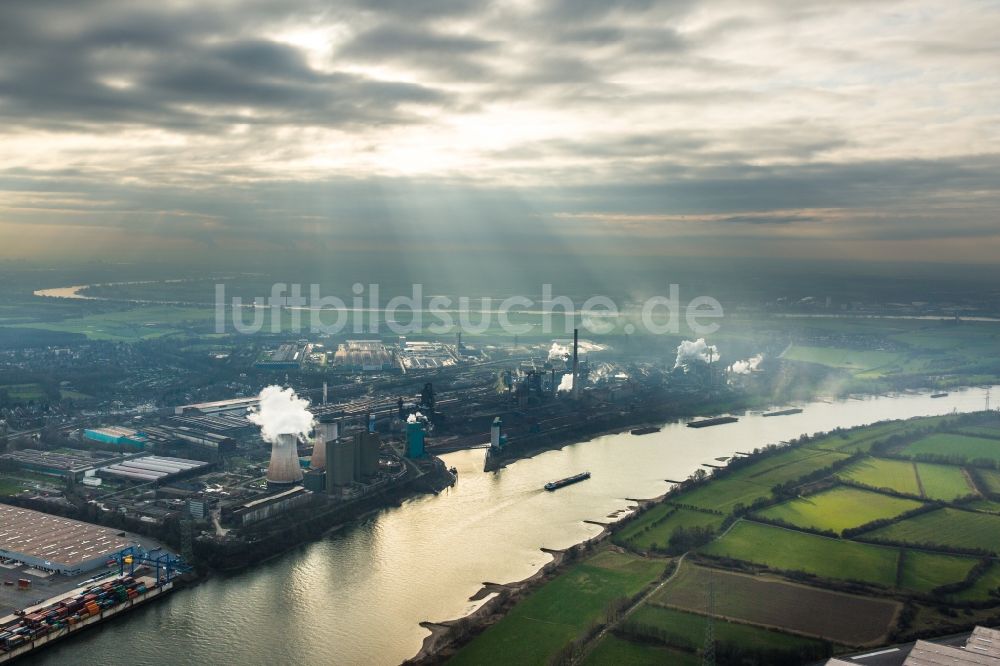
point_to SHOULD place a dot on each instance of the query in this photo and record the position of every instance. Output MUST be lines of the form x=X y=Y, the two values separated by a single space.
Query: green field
x=654 y=529
x=544 y=622
x=897 y=475
x=842 y=618
x=839 y=508
x=613 y=651
x=840 y=357
x=922 y=572
x=950 y=444
x=984 y=431
x=135 y=323
x=946 y=527
x=984 y=505
x=688 y=630
x=789 y=550
x=860 y=439
x=943 y=482
x=23 y=392
x=750 y=483
x=980 y=591
x=988 y=480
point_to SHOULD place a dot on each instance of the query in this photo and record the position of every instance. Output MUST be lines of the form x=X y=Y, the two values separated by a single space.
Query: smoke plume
x=566 y=383
x=747 y=366
x=689 y=351
x=282 y=413
x=559 y=352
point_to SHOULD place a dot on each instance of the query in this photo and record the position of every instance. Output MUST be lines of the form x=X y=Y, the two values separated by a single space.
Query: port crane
x=164 y=561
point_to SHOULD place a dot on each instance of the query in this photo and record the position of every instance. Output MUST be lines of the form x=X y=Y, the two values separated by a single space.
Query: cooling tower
x=326 y=430
x=284 y=468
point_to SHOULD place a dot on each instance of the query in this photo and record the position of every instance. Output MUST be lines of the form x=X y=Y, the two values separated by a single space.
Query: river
x=357 y=596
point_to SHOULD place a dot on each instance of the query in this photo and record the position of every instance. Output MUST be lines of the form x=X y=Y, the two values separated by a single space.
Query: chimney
x=576 y=363
x=324 y=393
x=284 y=469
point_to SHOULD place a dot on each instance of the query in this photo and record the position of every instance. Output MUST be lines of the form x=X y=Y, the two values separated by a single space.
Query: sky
x=203 y=130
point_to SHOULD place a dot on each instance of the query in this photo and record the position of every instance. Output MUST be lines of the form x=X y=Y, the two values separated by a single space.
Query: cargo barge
x=939 y=395
x=784 y=412
x=648 y=430
x=569 y=480
x=718 y=420
x=38 y=626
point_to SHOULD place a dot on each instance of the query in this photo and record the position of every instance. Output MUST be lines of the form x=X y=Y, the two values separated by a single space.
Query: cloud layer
x=717 y=127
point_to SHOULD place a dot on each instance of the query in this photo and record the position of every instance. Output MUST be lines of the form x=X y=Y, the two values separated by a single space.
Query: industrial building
x=233 y=404
x=419 y=355
x=351 y=460
x=364 y=356
x=286 y=357
x=56 y=544
x=212 y=444
x=271 y=505
x=118 y=436
x=151 y=468
x=982 y=648
x=62 y=464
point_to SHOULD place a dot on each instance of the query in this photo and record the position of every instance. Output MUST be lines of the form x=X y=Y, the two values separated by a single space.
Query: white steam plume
x=566 y=383
x=747 y=366
x=559 y=352
x=695 y=350
x=282 y=413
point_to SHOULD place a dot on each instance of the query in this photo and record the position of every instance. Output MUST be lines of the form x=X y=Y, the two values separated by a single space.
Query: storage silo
x=340 y=463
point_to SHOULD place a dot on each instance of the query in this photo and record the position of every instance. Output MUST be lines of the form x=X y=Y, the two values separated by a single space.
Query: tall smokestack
x=576 y=363
x=284 y=468
x=327 y=430
x=324 y=393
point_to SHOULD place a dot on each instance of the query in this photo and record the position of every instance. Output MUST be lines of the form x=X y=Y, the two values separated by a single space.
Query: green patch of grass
x=943 y=482
x=24 y=392
x=922 y=571
x=540 y=625
x=839 y=508
x=988 y=480
x=789 y=550
x=984 y=505
x=646 y=534
x=685 y=629
x=951 y=444
x=10 y=487
x=755 y=481
x=946 y=527
x=897 y=475
x=614 y=651
x=981 y=589
x=840 y=357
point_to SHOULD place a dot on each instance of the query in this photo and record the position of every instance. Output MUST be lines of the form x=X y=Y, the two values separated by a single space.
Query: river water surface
x=357 y=595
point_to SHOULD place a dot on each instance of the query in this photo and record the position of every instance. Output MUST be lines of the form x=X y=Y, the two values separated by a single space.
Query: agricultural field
x=785 y=549
x=755 y=481
x=951 y=444
x=946 y=527
x=984 y=505
x=841 y=618
x=614 y=651
x=943 y=482
x=23 y=392
x=128 y=325
x=655 y=530
x=922 y=571
x=988 y=480
x=896 y=475
x=839 y=508
x=981 y=431
x=861 y=439
x=981 y=589
x=687 y=630
x=548 y=619
x=839 y=357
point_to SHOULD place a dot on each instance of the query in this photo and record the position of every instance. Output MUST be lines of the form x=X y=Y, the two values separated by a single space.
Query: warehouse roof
x=53 y=539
